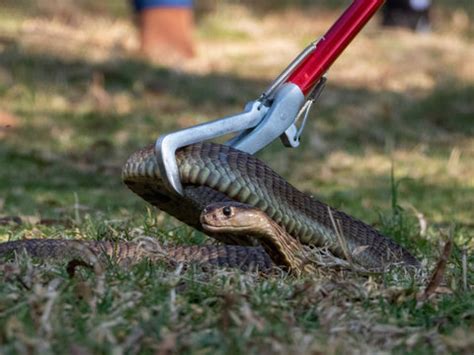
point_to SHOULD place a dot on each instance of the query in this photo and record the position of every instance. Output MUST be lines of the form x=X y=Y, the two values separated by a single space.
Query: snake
x=216 y=173
x=277 y=247
x=232 y=196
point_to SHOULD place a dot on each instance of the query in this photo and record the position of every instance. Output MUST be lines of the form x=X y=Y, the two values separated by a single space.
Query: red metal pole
x=337 y=38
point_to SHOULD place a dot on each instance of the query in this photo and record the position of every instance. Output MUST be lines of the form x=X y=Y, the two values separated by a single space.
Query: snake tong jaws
x=272 y=115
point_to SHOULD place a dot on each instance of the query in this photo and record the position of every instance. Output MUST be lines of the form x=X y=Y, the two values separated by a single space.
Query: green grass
x=390 y=142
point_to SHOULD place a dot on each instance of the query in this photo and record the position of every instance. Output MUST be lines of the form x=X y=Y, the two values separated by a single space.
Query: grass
x=390 y=142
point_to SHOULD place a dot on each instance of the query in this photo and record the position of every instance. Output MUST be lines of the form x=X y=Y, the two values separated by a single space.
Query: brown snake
x=270 y=212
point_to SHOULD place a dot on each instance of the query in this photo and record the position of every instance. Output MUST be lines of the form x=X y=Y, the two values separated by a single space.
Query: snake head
x=232 y=217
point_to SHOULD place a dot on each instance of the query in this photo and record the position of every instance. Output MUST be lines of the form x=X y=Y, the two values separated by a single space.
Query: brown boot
x=166 y=33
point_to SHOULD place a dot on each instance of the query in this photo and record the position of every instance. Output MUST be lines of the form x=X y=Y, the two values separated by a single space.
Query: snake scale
x=214 y=174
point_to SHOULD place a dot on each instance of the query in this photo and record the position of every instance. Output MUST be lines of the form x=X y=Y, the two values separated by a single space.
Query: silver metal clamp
x=273 y=115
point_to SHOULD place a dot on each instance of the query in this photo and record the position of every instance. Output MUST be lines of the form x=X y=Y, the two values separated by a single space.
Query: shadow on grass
x=444 y=111
x=48 y=72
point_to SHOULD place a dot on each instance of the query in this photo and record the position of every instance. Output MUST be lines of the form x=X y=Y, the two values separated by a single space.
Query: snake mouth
x=227 y=228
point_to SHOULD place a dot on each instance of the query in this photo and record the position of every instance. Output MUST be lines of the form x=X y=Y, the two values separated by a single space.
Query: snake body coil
x=129 y=253
x=215 y=173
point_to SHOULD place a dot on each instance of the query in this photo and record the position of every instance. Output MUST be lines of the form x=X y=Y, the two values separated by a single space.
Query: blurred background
x=78 y=95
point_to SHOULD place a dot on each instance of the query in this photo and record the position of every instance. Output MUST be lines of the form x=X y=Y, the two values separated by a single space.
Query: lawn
x=391 y=141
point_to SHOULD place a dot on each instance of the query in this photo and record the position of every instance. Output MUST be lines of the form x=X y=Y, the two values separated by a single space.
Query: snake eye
x=227 y=211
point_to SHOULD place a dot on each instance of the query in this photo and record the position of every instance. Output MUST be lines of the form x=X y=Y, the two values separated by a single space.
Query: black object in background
x=413 y=14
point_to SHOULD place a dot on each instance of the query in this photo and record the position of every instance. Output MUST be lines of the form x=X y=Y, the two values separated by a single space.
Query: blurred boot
x=166 y=33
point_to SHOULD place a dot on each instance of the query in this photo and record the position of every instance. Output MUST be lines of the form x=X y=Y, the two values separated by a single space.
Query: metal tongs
x=277 y=111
